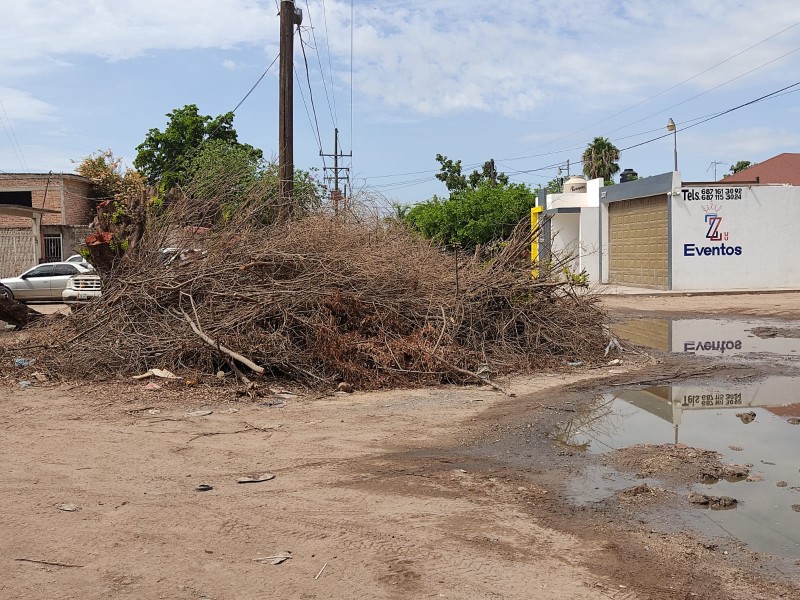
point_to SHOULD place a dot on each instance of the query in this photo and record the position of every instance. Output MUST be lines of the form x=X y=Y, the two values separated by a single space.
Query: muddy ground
x=400 y=494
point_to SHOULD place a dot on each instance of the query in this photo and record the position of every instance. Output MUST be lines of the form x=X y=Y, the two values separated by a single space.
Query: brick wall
x=67 y=194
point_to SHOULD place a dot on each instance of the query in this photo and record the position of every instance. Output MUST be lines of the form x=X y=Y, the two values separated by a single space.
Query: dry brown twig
x=319 y=300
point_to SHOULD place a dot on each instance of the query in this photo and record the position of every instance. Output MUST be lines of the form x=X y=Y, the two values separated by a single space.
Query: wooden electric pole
x=290 y=16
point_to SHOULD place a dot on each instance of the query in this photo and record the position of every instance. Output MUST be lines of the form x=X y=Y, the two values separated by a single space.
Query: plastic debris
x=203 y=487
x=23 y=362
x=68 y=507
x=25 y=384
x=275 y=559
x=613 y=345
x=162 y=373
x=199 y=413
x=256 y=479
x=152 y=386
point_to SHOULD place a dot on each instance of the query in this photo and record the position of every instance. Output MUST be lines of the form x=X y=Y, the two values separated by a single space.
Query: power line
x=716 y=87
x=308 y=113
x=352 y=131
x=14 y=143
x=697 y=121
x=310 y=93
x=319 y=60
x=674 y=87
x=255 y=85
x=330 y=65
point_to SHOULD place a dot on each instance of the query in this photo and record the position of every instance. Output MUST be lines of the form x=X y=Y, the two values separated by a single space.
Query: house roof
x=784 y=168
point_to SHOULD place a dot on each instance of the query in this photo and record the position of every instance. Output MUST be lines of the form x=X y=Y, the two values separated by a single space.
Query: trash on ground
x=162 y=373
x=575 y=363
x=40 y=377
x=199 y=413
x=25 y=384
x=203 y=487
x=273 y=403
x=256 y=479
x=68 y=507
x=344 y=387
x=275 y=559
x=23 y=362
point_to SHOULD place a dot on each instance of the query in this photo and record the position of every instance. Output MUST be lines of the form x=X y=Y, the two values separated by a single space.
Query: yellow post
x=535 y=211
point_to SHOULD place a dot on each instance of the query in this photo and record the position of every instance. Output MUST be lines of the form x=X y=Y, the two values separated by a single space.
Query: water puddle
x=766 y=435
x=712 y=337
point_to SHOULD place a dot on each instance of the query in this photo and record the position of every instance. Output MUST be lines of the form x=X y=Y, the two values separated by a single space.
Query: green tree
x=164 y=157
x=600 y=160
x=741 y=166
x=451 y=175
x=474 y=215
x=231 y=176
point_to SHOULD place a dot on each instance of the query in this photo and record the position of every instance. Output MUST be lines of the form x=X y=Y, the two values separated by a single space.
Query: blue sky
x=526 y=83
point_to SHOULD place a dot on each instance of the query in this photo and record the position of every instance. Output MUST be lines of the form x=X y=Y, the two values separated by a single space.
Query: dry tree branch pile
x=317 y=300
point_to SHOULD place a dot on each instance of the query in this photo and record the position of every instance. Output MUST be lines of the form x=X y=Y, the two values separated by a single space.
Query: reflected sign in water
x=711 y=337
x=704 y=416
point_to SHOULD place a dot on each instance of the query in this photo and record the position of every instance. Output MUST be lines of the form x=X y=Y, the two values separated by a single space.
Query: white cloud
x=439 y=57
x=230 y=65
x=20 y=105
x=127 y=28
x=755 y=141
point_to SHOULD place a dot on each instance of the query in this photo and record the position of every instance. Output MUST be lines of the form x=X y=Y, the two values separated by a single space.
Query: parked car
x=81 y=288
x=75 y=258
x=42 y=283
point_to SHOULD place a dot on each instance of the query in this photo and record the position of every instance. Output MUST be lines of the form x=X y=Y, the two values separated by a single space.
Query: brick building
x=43 y=217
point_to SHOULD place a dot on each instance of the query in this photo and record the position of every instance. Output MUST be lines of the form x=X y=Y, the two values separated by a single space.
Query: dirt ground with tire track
x=377 y=495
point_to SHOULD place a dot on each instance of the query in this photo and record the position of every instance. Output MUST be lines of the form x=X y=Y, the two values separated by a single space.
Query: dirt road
x=379 y=495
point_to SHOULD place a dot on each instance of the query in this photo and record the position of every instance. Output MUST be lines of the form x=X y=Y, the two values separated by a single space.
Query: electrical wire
x=352 y=131
x=330 y=64
x=310 y=93
x=319 y=60
x=669 y=89
x=15 y=147
x=255 y=85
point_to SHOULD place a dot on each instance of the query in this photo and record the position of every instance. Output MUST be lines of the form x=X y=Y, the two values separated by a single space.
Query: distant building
x=784 y=168
x=43 y=217
x=665 y=233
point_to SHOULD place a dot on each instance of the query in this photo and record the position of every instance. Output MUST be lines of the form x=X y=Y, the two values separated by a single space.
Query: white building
x=662 y=233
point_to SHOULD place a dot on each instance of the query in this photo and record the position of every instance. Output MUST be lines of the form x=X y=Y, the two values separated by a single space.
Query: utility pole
x=336 y=194
x=290 y=16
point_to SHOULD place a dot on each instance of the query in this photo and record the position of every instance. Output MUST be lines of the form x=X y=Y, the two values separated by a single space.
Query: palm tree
x=600 y=159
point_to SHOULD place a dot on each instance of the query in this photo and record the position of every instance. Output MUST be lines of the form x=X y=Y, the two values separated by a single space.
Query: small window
x=64 y=270
x=52 y=247
x=43 y=271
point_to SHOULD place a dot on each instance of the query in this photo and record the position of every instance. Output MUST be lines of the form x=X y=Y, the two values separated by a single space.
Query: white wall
x=566 y=231
x=756 y=231
x=590 y=243
x=577 y=200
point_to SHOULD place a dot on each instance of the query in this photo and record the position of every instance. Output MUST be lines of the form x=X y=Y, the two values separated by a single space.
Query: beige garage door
x=638 y=242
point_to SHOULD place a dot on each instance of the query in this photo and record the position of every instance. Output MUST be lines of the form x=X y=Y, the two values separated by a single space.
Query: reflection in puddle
x=711 y=337
x=705 y=416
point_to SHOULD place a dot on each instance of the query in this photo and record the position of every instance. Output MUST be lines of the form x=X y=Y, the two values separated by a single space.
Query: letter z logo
x=714 y=221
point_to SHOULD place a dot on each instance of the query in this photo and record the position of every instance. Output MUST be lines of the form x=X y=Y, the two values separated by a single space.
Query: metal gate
x=52 y=247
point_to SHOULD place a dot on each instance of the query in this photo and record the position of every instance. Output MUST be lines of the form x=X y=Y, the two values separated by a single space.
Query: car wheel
x=5 y=293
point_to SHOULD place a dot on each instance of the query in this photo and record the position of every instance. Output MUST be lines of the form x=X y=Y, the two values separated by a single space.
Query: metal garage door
x=16 y=251
x=638 y=245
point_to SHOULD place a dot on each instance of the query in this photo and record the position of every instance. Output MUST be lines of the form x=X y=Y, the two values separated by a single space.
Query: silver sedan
x=43 y=283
